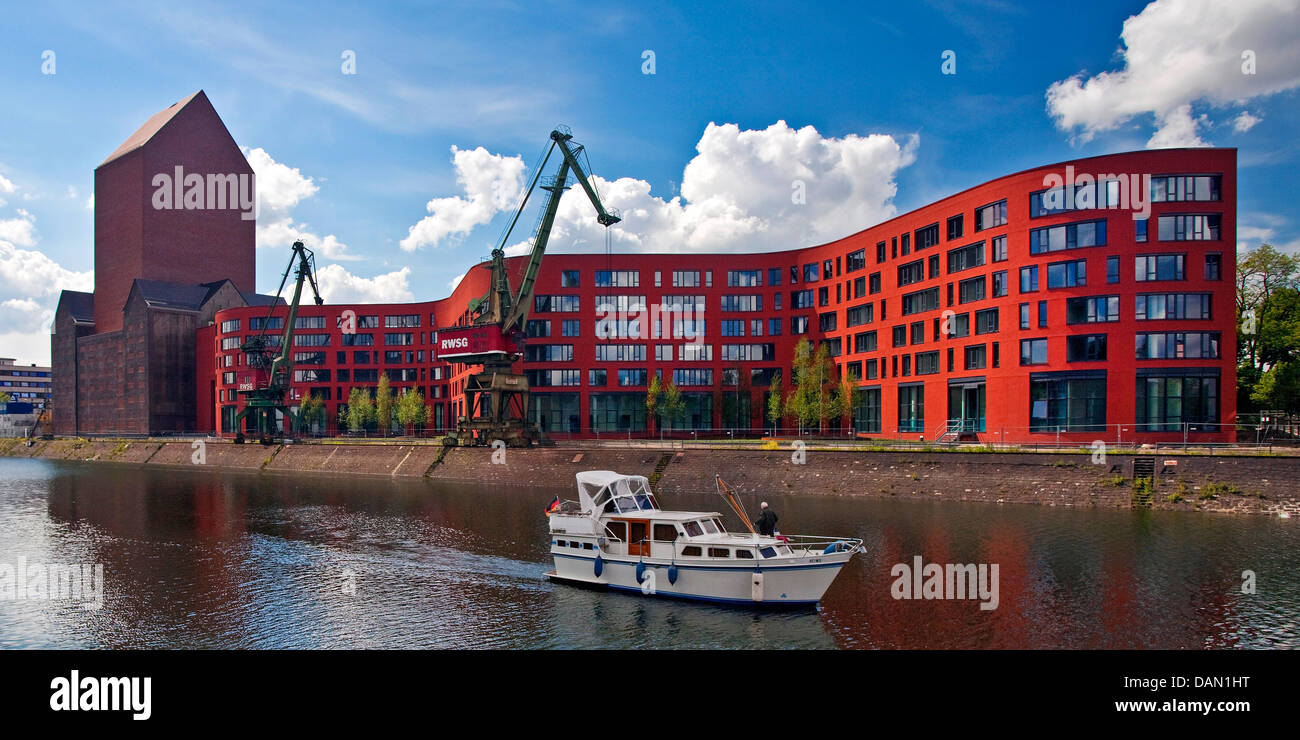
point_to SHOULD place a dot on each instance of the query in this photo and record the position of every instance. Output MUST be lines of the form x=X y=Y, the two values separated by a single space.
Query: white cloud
x=739 y=194
x=456 y=280
x=90 y=202
x=337 y=285
x=1179 y=53
x=280 y=188
x=20 y=231
x=492 y=184
x=30 y=283
x=1244 y=122
x=6 y=188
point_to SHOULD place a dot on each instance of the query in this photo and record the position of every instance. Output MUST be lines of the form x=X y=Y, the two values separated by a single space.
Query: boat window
x=693 y=529
x=691 y=551
x=588 y=546
x=645 y=502
x=745 y=554
x=626 y=504
x=616 y=531
x=719 y=552
x=575 y=544
x=709 y=526
x=561 y=543
x=665 y=532
x=768 y=552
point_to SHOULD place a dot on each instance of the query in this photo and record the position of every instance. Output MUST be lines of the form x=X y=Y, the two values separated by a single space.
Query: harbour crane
x=496 y=397
x=269 y=358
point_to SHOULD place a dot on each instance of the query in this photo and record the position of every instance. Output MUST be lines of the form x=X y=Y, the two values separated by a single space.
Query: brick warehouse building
x=123 y=356
x=1012 y=311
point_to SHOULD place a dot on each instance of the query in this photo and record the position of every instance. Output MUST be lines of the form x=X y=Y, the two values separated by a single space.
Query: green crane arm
x=515 y=315
x=281 y=365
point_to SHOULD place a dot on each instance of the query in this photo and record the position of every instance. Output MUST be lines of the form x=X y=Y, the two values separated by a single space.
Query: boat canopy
x=605 y=491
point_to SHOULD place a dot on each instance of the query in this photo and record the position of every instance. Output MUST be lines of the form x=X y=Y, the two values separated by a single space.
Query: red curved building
x=1091 y=299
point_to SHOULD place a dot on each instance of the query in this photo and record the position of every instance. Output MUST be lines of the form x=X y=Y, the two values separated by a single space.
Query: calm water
x=211 y=560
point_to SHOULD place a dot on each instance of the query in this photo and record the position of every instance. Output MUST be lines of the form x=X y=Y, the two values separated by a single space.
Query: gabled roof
x=80 y=305
x=261 y=299
x=152 y=126
x=162 y=294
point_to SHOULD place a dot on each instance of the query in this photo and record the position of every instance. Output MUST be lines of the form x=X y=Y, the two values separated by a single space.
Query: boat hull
x=800 y=582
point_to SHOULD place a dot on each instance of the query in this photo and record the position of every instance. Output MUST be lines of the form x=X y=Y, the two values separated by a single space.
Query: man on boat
x=766 y=521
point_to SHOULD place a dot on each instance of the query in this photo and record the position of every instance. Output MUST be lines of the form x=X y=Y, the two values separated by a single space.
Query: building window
x=733 y=328
x=1172 y=188
x=744 y=278
x=966 y=257
x=1042 y=314
x=986 y=321
x=555 y=303
x=1140 y=229
x=1214 y=266
x=955 y=227
x=406 y=321
x=686 y=278
x=569 y=279
x=969 y=290
x=1112 y=269
x=570 y=327
x=912 y=272
x=1029 y=279
x=597 y=378
x=922 y=300
x=1191 y=345
x=1150 y=267
x=1067 y=402
x=774 y=276
x=1160 y=306
x=1067 y=236
x=548 y=353
x=874 y=282
x=866 y=408
x=620 y=353
x=742 y=303
x=911 y=408
x=1092 y=309
x=999 y=283
x=864 y=342
x=1024 y=316
x=999 y=249
x=927 y=363
x=994 y=214
x=1071 y=274
x=927 y=237
x=859 y=315
x=1033 y=351
x=855 y=260
x=810 y=273
x=975 y=357
x=1167 y=399
x=617 y=279
x=1193 y=227
x=798 y=325
x=959 y=326
x=1085 y=348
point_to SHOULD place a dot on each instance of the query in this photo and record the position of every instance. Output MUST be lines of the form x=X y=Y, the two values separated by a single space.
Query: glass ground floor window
x=617 y=412
x=1168 y=398
x=966 y=401
x=911 y=408
x=737 y=409
x=555 y=412
x=866 y=409
x=1067 y=401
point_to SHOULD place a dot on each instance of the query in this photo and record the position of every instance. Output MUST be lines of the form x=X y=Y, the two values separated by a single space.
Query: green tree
x=672 y=403
x=652 y=393
x=5 y=397
x=411 y=409
x=1261 y=272
x=775 y=402
x=341 y=423
x=384 y=405
x=361 y=409
x=310 y=411
x=812 y=400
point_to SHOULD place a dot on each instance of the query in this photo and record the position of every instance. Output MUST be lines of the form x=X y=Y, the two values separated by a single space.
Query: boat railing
x=820 y=543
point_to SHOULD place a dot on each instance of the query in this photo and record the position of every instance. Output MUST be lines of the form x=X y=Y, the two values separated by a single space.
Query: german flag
x=553 y=507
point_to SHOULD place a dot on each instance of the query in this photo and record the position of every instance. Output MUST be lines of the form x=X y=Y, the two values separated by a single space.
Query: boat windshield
x=627 y=494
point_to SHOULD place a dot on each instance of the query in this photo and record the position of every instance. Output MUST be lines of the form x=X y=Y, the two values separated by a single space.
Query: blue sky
x=371 y=150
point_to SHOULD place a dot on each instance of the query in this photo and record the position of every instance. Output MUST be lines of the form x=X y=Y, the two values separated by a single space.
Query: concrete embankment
x=1228 y=483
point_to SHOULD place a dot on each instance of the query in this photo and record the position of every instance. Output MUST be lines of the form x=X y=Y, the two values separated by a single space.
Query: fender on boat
x=598 y=566
x=672 y=574
x=640 y=572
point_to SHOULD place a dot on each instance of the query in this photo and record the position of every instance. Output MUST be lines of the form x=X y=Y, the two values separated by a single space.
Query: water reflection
x=261 y=561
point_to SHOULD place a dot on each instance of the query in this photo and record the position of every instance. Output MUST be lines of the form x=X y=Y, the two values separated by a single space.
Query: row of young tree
x=818 y=395
x=365 y=411
x=1268 y=331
